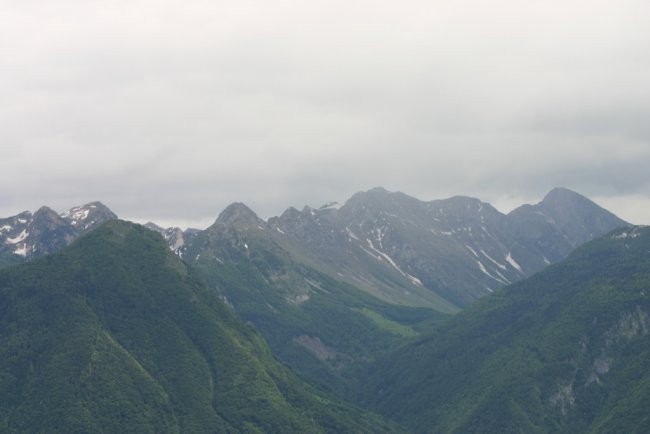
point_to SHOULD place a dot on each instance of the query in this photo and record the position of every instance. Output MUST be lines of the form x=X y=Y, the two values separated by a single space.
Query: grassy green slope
x=567 y=350
x=115 y=334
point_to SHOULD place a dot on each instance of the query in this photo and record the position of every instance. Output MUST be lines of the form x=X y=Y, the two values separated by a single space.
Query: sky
x=167 y=111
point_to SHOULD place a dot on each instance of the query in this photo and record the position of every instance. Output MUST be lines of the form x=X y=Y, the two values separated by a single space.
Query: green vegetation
x=567 y=350
x=115 y=334
x=353 y=326
x=326 y=330
x=387 y=324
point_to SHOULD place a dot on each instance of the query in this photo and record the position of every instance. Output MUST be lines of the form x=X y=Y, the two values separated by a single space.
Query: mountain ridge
x=460 y=248
x=443 y=253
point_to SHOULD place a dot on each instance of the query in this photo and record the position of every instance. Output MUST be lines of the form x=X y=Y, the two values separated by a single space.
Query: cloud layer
x=169 y=111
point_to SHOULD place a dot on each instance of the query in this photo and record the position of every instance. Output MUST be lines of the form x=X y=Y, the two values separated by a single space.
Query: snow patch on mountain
x=471 y=250
x=21 y=250
x=502 y=266
x=487 y=273
x=351 y=234
x=76 y=214
x=383 y=255
x=24 y=234
x=623 y=235
x=510 y=260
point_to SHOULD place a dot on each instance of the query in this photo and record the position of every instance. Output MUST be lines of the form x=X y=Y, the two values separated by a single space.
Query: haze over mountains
x=356 y=299
x=458 y=248
x=442 y=254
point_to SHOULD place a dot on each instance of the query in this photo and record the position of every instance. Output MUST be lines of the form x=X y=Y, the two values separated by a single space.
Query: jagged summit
x=46 y=212
x=561 y=197
x=290 y=213
x=577 y=218
x=561 y=192
x=28 y=235
x=374 y=193
x=88 y=216
x=238 y=213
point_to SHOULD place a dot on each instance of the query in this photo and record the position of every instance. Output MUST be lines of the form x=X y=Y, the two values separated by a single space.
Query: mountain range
x=442 y=254
x=459 y=248
x=360 y=300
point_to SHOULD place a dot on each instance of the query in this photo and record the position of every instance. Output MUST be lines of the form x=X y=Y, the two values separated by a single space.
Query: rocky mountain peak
x=88 y=216
x=560 y=196
x=577 y=218
x=239 y=214
x=367 y=204
x=290 y=213
x=45 y=212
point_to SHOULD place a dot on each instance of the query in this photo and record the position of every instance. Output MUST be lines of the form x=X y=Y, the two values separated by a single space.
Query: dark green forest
x=115 y=334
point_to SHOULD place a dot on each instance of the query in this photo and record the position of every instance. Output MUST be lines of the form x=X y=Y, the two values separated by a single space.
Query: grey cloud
x=168 y=111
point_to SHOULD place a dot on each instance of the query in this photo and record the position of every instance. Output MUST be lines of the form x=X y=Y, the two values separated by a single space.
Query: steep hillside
x=115 y=334
x=567 y=350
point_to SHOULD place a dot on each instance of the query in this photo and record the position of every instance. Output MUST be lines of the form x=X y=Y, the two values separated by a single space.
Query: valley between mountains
x=382 y=314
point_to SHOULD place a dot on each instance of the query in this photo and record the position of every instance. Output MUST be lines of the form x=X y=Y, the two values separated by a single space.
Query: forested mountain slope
x=116 y=334
x=567 y=350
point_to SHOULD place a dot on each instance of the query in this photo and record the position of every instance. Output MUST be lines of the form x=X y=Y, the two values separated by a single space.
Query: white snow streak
x=471 y=250
x=514 y=263
x=503 y=267
x=76 y=214
x=484 y=271
x=19 y=238
x=383 y=255
x=351 y=234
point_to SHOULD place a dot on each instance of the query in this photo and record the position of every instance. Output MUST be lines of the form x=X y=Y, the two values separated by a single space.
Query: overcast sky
x=170 y=110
